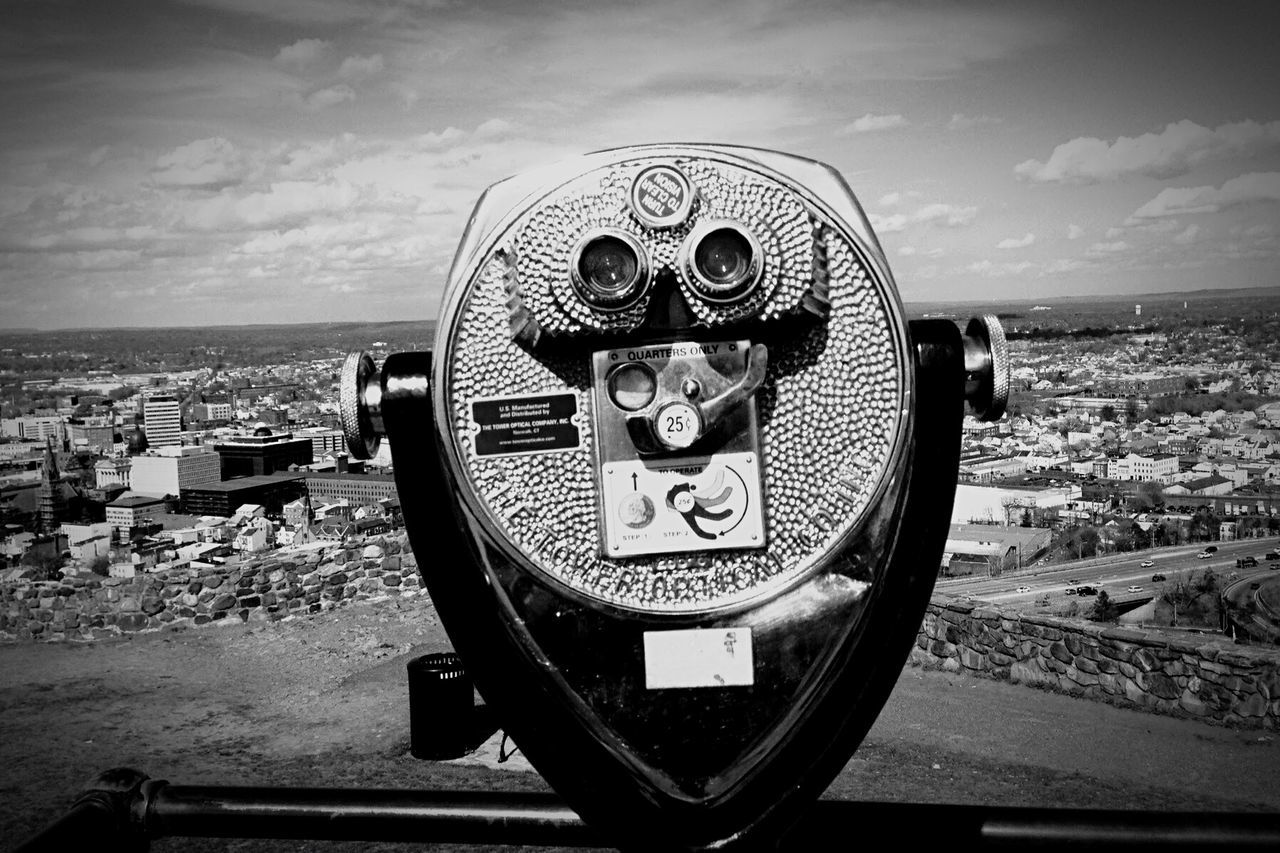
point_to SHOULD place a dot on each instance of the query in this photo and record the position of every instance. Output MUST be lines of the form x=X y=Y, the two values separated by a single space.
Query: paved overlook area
x=323 y=700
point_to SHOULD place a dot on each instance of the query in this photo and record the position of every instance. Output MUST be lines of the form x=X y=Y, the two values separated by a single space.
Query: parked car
x=1135 y=589
x=1157 y=577
x=1246 y=562
x=1024 y=589
x=1146 y=564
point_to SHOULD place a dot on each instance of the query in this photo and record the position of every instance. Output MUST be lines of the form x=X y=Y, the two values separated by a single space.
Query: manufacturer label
x=690 y=504
x=698 y=657
x=508 y=426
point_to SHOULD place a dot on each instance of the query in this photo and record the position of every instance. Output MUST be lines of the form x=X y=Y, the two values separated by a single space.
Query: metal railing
x=123 y=810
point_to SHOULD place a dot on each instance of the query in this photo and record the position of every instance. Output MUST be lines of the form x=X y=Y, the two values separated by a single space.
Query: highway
x=1114 y=573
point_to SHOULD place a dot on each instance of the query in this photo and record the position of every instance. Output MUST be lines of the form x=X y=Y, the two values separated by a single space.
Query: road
x=1114 y=574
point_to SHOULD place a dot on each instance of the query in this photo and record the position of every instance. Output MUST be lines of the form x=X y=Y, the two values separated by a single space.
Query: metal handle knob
x=360 y=405
x=986 y=368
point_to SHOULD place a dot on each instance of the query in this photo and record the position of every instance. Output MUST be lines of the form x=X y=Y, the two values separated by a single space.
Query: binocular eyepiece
x=701 y=465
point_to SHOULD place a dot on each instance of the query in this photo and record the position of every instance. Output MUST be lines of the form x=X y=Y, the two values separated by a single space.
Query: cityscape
x=1130 y=426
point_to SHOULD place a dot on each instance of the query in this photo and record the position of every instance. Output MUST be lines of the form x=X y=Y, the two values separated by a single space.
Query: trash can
x=441 y=704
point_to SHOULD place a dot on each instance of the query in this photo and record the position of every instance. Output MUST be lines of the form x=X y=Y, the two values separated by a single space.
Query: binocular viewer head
x=701 y=465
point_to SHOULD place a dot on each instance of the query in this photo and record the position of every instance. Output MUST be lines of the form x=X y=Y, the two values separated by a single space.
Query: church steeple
x=52 y=508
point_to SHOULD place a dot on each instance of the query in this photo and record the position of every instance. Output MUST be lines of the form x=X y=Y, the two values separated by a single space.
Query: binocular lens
x=723 y=257
x=609 y=271
x=723 y=261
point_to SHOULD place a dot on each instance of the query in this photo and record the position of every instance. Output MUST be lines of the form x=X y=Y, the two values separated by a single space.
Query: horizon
x=1152 y=297
x=318 y=160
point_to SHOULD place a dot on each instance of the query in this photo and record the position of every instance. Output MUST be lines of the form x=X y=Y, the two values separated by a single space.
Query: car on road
x=1273 y=555
x=1146 y=564
x=1157 y=577
x=1071 y=590
x=1135 y=589
x=1086 y=590
x=1204 y=555
x=1246 y=562
x=1073 y=580
x=1024 y=589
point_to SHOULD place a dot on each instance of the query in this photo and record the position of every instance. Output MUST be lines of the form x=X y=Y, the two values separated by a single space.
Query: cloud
x=1108 y=248
x=1017 y=242
x=282 y=201
x=1175 y=201
x=1172 y=151
x=987 y=268
x=360 y=67
x=1188 y=235
x=949 y=215
x=206 y=163
x=1074 y=232
x=330 y=97
x=871 y=123
x=890 y=199
x=906 y=251
x=960 y=121
x=302 y=52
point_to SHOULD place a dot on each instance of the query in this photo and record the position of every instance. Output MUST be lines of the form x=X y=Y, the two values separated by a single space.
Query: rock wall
x=271 y=587
x=1192 y=675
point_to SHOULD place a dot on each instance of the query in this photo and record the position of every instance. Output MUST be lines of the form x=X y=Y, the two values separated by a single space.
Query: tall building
x=162 y=420
x=169 y=470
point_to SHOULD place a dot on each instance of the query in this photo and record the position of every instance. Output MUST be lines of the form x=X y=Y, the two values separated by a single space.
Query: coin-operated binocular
x=679 y=473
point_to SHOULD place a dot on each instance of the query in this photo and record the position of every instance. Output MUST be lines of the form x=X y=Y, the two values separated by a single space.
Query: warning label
x=506 y=426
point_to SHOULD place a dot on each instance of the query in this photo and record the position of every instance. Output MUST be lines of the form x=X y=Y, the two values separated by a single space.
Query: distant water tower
x=1137 y=310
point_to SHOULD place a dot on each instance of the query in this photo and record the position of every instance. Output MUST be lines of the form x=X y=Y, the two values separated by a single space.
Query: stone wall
x=1193 y=675
x=270 y=587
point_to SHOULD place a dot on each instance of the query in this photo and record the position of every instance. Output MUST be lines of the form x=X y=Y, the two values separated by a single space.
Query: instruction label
x=508 y=426
x=691 y=504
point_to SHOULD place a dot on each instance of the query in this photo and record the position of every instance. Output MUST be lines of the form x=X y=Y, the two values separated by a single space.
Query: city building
x=93 y=434
x=323 y=440
x=977 y=503
x=272 y=491
x=34 y=428
x=112 y=472
x=981 y=549
x=212 y=411
x=162 y=420
x=88 y=541
x=356 y=488
x=129 y=511
x=169 y=470
x=262 y=453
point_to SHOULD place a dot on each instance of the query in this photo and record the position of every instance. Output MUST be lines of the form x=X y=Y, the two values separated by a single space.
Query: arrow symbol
x=634 y=478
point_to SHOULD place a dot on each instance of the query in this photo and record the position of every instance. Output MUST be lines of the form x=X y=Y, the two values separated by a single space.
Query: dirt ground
x=323 y=701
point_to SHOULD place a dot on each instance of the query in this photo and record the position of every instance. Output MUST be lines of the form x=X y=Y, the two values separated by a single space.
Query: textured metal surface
x=831 y=405
x=357 y=370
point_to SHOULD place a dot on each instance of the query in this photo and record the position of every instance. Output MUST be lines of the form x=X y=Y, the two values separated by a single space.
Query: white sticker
x=698 y=657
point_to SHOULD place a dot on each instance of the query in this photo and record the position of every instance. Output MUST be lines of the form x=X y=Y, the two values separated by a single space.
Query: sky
x=262 y=161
